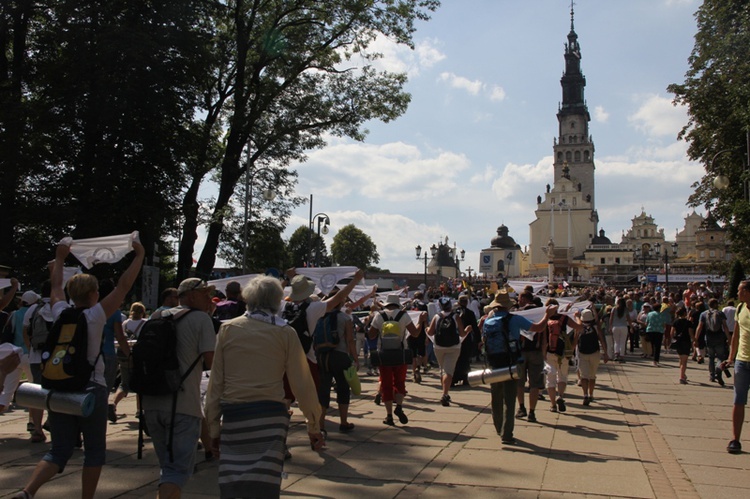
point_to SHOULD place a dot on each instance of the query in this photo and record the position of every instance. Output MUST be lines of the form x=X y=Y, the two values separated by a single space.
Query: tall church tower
x=566 y=217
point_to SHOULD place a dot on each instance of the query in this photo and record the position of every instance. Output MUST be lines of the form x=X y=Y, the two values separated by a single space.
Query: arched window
x=559 y=157
x=578 y=156
x=568 y=156
x=586 y=156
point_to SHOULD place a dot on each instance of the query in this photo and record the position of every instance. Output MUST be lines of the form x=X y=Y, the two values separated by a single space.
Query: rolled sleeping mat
x=489 y=376
x=33 y=396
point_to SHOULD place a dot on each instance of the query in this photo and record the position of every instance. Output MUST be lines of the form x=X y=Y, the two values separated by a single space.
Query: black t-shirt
x=682 y=328
x=588 y=341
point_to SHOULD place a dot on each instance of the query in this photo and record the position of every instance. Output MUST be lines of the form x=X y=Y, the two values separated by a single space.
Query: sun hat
x=392 y=300
x=302 y=288
x=193 y=284
x=502 y=299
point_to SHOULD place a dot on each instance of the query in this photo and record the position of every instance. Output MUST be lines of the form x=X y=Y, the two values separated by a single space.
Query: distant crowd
x=220 y=370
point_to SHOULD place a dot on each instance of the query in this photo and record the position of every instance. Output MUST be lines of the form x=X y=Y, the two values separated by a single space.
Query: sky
x=474 y=149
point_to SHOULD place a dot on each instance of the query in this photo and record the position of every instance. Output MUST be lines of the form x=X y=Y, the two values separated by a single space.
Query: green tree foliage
x=290 y=72
x=716 y=91
x=107 y=92
x=265 y=247
x=736 y=276
x=114 y=115
x=304 y=246
x=351 y=246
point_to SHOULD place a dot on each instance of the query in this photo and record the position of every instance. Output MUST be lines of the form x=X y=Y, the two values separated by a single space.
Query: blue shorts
x=187 y=429
x=741 y=381
x=65 y=428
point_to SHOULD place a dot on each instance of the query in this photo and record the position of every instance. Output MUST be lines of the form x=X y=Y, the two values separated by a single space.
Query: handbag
x=353 y=379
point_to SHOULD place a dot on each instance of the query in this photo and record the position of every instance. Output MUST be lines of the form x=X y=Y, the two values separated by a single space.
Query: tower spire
x=572 y=28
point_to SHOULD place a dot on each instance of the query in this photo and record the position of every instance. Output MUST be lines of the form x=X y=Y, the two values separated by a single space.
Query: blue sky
x=475 y=147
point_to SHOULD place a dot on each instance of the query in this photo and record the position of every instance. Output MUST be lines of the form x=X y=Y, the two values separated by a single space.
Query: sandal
x=22 y=495
x=37 y=438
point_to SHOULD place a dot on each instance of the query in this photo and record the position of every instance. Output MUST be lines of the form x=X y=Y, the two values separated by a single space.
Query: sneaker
x=417 y=376
x=586 y=400
x=508 y=441
x=734 y=447
x=532 y=417
x=561 y=405
x=389 y=420
x=700 y=360
x=378 y=398
x=399 y=411
x=683 y=381
x=521 y=413
x=720 y=380
x=445 y=401
x=346 y=428
x=111 y=414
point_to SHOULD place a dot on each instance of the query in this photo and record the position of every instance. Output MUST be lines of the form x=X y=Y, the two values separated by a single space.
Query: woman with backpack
x=588 y=340
x=446 y=330
x=83 y=290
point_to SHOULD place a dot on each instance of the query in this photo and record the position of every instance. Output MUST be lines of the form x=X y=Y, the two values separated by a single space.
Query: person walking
x=588 y=340
x=246 y=412
x=739 y=356
x=65 y=428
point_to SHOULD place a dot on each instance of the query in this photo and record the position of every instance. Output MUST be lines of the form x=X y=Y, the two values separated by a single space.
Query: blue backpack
x=496 y=334
x=326 y=335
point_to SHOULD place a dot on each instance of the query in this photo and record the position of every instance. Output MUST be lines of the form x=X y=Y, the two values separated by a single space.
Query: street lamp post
x=268 y=195
x=666 y=260
x=642 y=252
x=433 y=251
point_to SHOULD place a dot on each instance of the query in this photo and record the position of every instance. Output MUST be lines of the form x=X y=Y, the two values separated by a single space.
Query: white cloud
x=657 y=116
x=471 y=86
x=388 y=172
x=600 y=115
x=497 y=93
x=399 y=58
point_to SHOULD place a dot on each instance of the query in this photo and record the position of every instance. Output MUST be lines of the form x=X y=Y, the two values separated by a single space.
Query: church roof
x=601 y=238
x=503 y=240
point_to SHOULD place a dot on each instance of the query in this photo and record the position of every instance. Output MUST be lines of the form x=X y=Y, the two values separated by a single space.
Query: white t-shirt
x=35 y=356
x=95 y=320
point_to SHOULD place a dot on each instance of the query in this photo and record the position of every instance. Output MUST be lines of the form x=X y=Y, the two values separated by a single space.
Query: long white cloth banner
x=108 y=249
x=326 y=278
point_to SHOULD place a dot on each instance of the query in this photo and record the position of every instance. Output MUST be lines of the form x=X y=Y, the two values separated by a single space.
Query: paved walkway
x=644 y=436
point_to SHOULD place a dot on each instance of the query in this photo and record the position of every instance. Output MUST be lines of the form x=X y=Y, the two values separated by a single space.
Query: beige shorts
x=588 y=363
x=447 y=358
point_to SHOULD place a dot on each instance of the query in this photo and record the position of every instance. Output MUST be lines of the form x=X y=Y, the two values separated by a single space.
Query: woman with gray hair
x=247 y=417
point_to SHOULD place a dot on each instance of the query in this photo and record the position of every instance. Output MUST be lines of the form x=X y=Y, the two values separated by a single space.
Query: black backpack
x=39 y=328
x=156 y=368
x=296 y=316
x=326 y=335
x=446 y=333
x=65 y=364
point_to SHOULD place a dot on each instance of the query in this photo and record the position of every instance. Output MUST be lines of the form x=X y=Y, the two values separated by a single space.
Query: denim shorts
x=741 y=381
x=65 y=428
x=187 y=429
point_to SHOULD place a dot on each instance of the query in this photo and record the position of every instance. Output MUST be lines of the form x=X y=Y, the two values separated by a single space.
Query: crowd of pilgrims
x=597 y=324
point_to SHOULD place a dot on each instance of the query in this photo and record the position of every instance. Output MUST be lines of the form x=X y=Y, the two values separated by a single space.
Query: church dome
x=601 y=238
x=503 y=240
